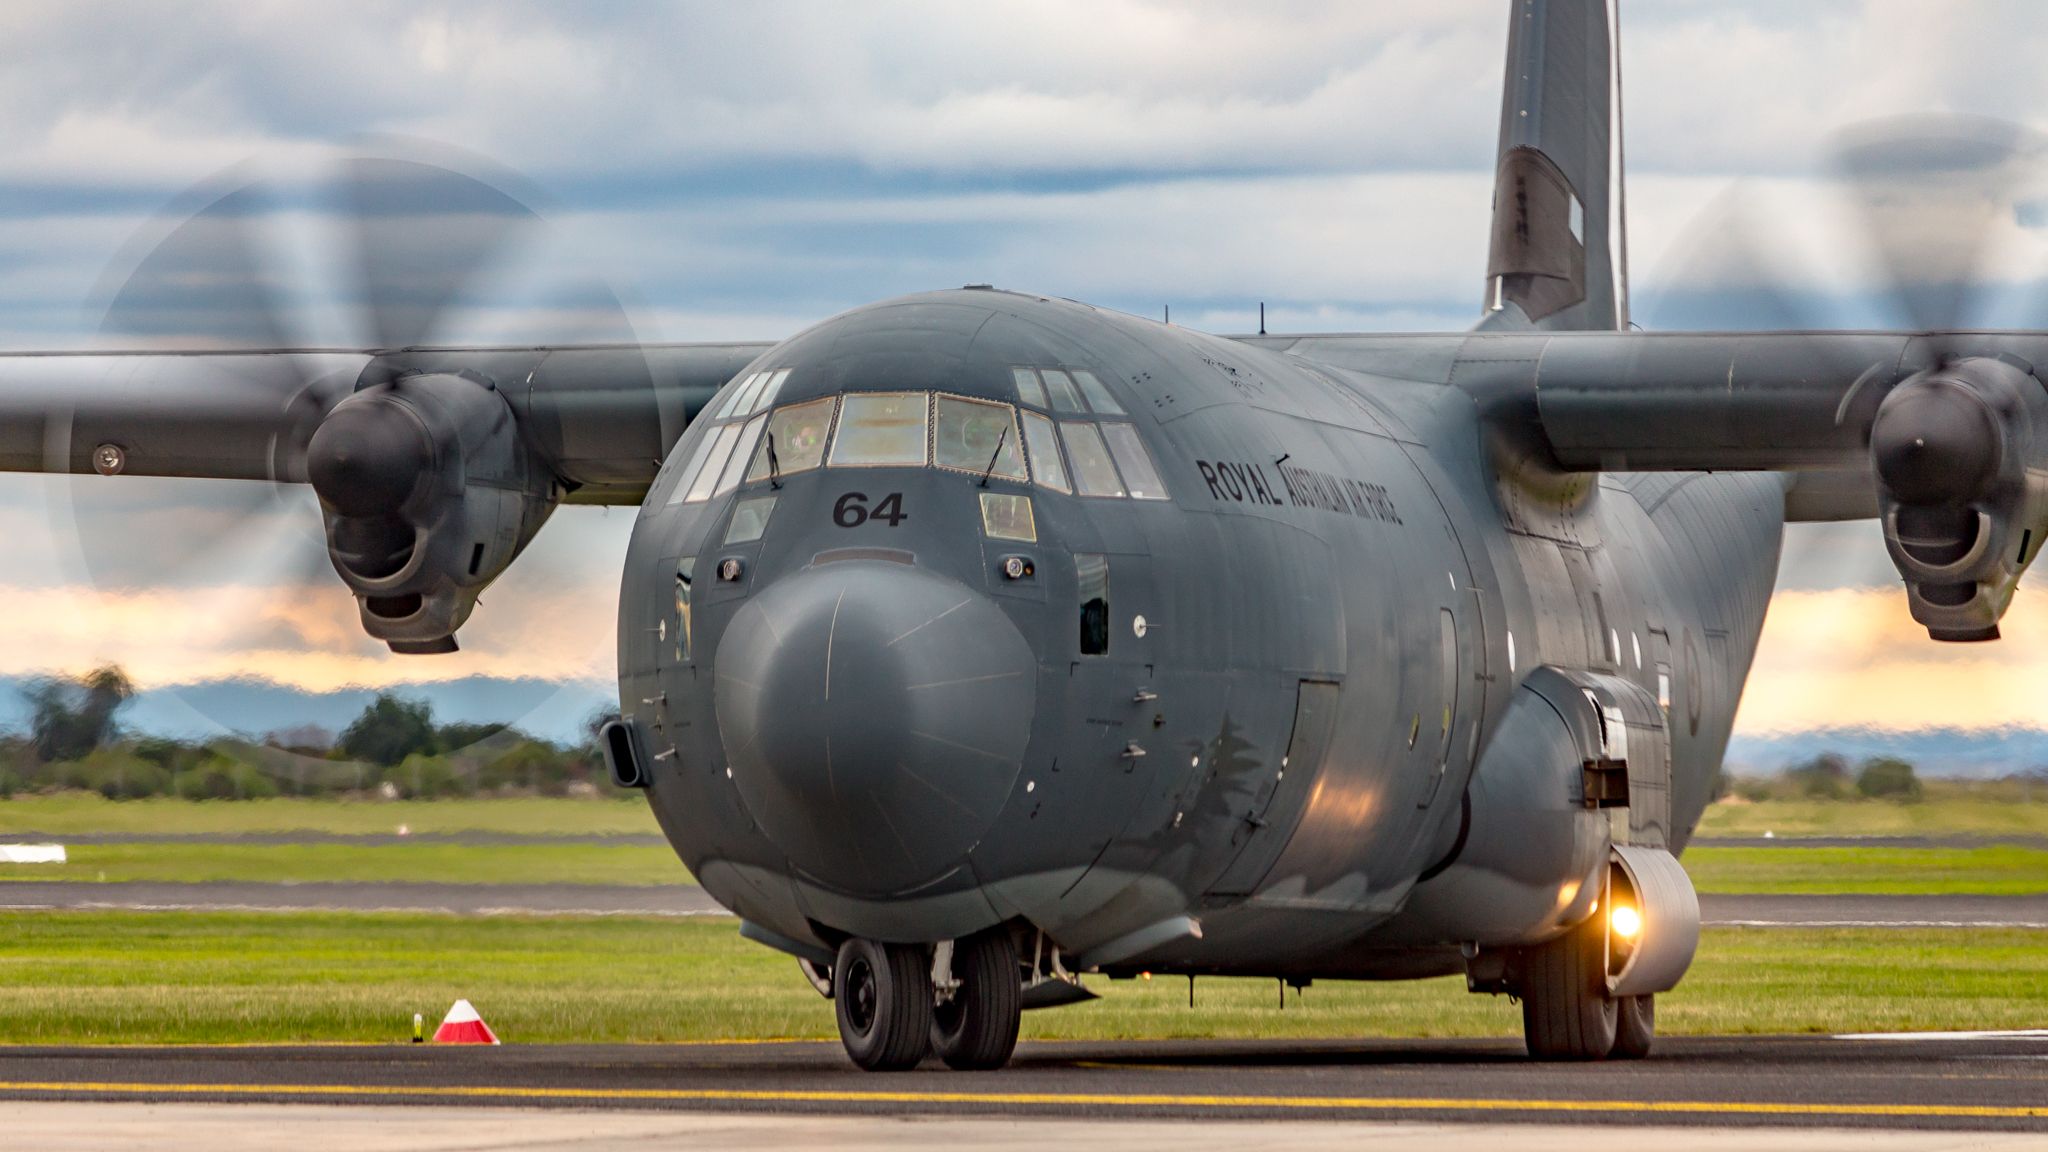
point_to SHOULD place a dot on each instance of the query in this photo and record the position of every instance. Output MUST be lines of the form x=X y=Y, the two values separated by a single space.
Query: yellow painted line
x=1035 y=1099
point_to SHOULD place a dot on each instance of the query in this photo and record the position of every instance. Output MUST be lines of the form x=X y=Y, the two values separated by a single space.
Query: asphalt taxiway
x=1987 y=1081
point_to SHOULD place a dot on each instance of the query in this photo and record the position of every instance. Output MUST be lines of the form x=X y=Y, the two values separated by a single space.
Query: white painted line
x=1876 y=923
x=2009 y=1034
x=31 y=854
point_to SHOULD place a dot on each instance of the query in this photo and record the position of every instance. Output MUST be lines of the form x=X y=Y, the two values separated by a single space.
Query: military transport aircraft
x=975 y=640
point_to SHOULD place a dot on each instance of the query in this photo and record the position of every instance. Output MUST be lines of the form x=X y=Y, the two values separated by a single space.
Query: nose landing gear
x=976 y=1027
x=882 y=994
x=895 y=1004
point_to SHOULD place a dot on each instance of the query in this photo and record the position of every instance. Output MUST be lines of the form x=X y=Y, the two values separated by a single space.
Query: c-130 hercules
x=973 y=640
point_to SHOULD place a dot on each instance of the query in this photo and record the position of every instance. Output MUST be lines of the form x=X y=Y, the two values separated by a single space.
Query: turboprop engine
x=428 y=493
x=1960 y=489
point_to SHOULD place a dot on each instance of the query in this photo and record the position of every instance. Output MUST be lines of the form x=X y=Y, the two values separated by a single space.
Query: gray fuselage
x=1313 y=744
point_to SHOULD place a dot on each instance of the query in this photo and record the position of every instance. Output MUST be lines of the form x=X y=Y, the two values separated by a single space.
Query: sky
x=741 y=171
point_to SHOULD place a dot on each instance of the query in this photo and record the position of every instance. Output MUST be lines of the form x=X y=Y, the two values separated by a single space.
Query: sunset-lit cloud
x=1854 y=658
x=301 y=637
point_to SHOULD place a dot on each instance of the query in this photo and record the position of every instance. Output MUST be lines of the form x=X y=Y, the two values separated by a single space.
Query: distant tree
x=1825 y=777
x=457 y=736
x=390 y=729
x=1888 y=778
x=69 y=718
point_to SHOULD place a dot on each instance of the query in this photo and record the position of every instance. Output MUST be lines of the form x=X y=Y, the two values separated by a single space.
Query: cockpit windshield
x=1082 y=453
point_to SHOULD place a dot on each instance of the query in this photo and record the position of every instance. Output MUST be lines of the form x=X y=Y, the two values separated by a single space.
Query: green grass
x=128 y=977
x=2001 y=870
x=540 y=863
x=83 y=812
x=1991 y=870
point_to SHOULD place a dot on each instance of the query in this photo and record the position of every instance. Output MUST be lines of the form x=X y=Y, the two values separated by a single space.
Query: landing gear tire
x=1566 y=1013
x=1635 y=1027
x=882 y=994
x=977 y=1029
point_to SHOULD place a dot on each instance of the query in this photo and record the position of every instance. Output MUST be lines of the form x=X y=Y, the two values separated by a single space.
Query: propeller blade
x=1934 y=192
x=421 y=235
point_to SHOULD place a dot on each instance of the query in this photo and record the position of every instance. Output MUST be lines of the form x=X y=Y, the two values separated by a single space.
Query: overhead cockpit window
x=1133 y=461
x=1044 y=448
x=1029 y=390
x=713 y=465
x=1098 y=396
x=766 y=399
x=882 y=428
x=1061 y=387
x=1093 y=472
x=753 y=394
x=795 y=441
x=980 y=437
x=732 y=398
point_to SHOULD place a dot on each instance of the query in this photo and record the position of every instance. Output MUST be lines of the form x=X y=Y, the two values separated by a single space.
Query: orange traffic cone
x=463 y=1026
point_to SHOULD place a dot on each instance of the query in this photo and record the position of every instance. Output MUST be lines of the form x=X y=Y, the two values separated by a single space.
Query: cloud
x=1854 y=658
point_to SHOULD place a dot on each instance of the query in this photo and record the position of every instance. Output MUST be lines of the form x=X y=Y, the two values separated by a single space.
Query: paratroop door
x=1275 y=808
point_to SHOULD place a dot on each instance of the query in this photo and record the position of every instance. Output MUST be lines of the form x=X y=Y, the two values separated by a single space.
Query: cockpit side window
x=1133 y=461
x=1094 y=475
x=742 y=451
x=713 y=464
x=883 y=428
x=977 y=436
x=1044 y=447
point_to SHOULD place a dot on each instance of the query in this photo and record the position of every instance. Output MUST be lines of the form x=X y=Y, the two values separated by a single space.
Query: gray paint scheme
x=1406 y=589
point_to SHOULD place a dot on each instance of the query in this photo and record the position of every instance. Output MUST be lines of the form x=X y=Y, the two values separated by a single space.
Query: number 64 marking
x=852 y=510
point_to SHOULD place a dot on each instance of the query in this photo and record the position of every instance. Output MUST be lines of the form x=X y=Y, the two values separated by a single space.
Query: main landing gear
x=1566 y=1011
x=898 y=1002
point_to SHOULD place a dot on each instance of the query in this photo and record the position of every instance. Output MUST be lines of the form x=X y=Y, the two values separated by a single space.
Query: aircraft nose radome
x=875 y=717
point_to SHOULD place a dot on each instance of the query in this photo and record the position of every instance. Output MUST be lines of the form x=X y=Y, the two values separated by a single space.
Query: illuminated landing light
x=1626 y=922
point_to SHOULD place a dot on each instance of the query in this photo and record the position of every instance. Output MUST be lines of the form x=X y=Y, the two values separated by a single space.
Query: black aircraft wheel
x=977 y=1028
x=1635 y=1027
x=1566 y=1014
x=882 y=994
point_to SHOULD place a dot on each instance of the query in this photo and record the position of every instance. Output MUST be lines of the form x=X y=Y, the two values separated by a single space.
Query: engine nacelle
x=429 y=493
x=1963 y=509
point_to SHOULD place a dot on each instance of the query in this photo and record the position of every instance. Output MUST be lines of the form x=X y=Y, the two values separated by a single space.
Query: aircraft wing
x=1941 y=436
x=434 y=467
x=599 y=418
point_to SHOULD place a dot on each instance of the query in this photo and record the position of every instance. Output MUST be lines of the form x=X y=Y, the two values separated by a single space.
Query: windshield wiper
x=774 y=465
x=995 y=455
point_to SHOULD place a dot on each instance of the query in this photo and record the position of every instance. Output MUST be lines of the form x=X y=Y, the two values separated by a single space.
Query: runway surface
x=49 y=1127
x=1987 y=1082
x=689 y=900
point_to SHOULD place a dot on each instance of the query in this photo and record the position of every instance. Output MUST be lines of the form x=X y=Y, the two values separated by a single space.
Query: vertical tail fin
x=1559 y=257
